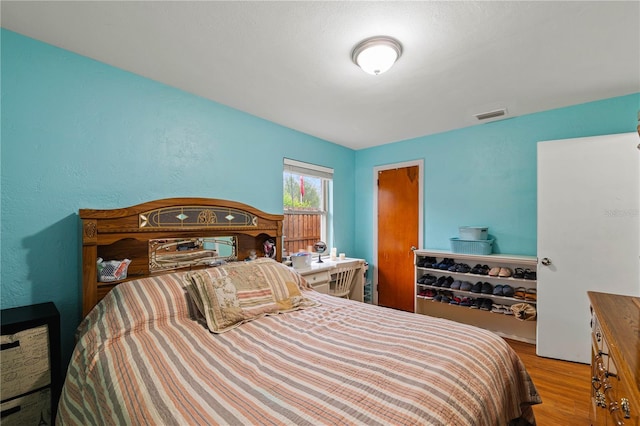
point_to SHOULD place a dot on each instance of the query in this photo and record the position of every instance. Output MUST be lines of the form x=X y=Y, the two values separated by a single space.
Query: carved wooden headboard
x=125 y=233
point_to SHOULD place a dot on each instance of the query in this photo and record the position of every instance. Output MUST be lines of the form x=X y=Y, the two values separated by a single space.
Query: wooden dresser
x=615 y=359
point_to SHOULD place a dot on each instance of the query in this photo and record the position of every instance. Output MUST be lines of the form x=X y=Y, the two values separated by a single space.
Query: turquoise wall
x=77 y=133
x=485 y=175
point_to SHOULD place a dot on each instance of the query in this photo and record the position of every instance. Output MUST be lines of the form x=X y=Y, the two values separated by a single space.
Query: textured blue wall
x=486 y=175
x=77 y=133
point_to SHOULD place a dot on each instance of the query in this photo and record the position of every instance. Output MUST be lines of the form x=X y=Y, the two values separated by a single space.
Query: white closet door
x=589 y=229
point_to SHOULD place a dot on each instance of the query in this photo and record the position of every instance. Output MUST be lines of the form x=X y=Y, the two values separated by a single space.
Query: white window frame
x=326 y=174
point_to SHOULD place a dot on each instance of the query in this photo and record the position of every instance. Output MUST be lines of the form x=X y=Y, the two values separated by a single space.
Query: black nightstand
x=31 y=371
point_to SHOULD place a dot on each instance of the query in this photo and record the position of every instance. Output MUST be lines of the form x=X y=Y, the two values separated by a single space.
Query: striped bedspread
x=142 y=358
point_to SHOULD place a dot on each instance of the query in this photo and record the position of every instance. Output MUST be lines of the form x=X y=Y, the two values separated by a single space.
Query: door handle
x=546 y=261
x=414 y=248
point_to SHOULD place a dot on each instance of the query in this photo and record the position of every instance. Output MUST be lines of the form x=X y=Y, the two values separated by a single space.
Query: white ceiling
x=290 y=62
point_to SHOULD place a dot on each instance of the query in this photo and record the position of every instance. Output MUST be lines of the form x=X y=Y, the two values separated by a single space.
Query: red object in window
x=301 y=186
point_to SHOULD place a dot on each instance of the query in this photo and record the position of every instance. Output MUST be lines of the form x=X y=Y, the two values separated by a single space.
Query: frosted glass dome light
x=376 y=55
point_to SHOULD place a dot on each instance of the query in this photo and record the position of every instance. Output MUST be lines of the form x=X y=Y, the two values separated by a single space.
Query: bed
x=152 y=351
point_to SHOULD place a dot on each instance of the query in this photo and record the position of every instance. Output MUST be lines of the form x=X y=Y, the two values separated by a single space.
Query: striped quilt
x=144 y=357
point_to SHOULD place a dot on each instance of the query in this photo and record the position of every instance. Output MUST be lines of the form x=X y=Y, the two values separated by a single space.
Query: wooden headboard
x=125 y=233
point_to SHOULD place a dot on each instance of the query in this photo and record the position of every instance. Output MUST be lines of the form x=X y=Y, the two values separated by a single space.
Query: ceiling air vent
x=491 y=114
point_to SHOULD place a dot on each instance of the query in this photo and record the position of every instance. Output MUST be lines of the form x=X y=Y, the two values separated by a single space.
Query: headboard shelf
x=125 y=233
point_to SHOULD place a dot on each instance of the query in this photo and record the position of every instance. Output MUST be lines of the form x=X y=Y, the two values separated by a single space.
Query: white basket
x=473 y=232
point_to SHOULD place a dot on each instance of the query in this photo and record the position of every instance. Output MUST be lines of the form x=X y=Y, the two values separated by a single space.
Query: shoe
x=456 y=285
x=429 y=261
x=529 y=274
x=446 y=264
x=455 y=300
x=518 y=273
x=477 y=287
x=477 y=303
x=466 y=301
x=429 y=294
x=493 y=272
x=437 y=297
x=507 y=310
x=497 y=290
x=505 y=272
x=477 y=269
x=507 y=290
x=465 y=286
x=427 y=279
x=520 y=293
x=531 y=294
x=447 y=282
x=463 y=268
x=497 y=309
x=486 y=305
x=439 y=281
x=486 y=288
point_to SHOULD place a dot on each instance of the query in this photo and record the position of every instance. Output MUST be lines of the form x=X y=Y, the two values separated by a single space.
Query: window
x=306 y=202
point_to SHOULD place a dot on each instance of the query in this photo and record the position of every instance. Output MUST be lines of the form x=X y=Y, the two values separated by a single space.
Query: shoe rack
x=491 y=315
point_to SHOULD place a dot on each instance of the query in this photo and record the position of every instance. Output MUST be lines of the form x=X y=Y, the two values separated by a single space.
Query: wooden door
x=398 y=226
x=588 y=235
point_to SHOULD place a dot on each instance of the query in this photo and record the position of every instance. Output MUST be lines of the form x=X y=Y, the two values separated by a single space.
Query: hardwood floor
x=563 y=386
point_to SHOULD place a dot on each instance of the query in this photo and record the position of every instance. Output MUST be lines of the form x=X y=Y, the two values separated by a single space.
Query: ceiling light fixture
x=376 y=55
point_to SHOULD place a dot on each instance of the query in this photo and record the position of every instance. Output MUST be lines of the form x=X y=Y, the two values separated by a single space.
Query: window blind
x=308 y=169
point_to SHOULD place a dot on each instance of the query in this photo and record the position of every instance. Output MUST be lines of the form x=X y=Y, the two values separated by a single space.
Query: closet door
x=588 y=235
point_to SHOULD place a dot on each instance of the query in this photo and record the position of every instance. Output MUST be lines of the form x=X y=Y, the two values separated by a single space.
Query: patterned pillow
x=230 y=295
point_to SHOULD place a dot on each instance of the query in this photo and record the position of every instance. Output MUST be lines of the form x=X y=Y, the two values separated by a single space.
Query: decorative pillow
x=230 y=295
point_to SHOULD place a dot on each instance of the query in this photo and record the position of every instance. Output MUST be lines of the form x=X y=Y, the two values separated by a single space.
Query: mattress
x=145 y=356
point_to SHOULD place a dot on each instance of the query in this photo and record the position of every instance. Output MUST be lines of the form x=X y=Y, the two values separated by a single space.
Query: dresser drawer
x=25 y=361
x=318 y=278
x=30 y=409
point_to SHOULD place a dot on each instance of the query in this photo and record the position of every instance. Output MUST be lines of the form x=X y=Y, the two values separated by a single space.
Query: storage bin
x=112 y=270
x=473 y=232
x=301 y=260
x=471 y=246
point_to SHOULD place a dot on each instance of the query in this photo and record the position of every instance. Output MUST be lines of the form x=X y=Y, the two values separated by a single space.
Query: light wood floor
x=563 y=386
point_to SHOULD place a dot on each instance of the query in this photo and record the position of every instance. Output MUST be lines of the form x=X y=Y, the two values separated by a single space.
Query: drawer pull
x=595 y=383
x=626 y=409
x=9 y=411
x=11 y=345
x=598 y=337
